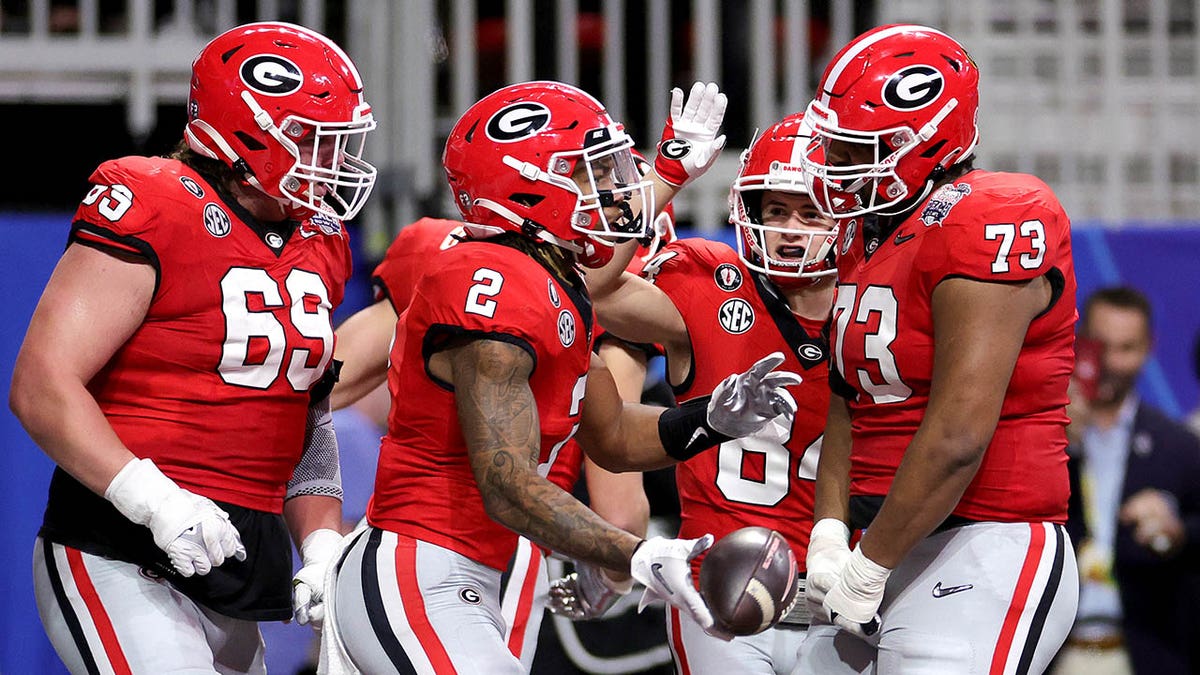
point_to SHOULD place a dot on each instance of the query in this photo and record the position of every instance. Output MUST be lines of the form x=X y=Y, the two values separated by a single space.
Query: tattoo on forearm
x=499 y=420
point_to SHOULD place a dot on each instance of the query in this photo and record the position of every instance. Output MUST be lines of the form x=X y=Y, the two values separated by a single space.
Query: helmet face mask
x=544 y=159
x=283 y=106
x=770 y=186
x=895 y=108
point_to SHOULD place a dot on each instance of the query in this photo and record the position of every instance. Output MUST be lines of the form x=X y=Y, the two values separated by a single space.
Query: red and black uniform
x=735 y=317
x=985 y=226
x=214 y=385
x=425 y=488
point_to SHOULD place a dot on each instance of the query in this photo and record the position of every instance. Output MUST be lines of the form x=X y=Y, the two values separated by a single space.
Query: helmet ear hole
x=249 y=141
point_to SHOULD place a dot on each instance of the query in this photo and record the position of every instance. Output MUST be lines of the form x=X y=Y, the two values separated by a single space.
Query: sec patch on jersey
x=748 y=580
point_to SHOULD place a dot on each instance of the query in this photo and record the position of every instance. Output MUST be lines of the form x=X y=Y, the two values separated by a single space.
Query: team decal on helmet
x=736 y=316
x=271 y=75
x=728 y=277
x=913 y=88
x=517 y=121
x=216 y=221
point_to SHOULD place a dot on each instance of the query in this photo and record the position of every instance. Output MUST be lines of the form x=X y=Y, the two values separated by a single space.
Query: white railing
x=1099 y=97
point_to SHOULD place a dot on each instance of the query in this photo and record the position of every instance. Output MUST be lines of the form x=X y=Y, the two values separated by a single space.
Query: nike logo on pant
x=939 y=592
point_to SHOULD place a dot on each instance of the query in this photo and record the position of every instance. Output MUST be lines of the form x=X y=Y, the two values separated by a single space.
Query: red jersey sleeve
x=1005 y=230
x=676 y=268
x=476 y=293
x=408 y=257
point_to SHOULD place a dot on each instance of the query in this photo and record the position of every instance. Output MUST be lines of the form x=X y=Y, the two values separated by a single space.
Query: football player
x=177 y=368
x=490 y=369
x=713 y=308
x=363 y=342
x=953 y=333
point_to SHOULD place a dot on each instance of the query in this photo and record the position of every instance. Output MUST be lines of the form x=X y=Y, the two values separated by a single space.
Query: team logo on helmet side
x=913 y=88
x=736 y=316
x=216 y=221
x=517 y=122
x=271 y=75
x=566 y=328
x=728 y=277
x=675 y=148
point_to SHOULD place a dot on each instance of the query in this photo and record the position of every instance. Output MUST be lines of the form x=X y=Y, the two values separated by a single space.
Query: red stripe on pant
x=677 y=642
x=1033 y=556
x=516 y=638
x=414 y=607
x=95 y=608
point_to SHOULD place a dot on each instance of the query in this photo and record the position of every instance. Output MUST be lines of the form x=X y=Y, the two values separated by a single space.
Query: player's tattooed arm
x=499 y=420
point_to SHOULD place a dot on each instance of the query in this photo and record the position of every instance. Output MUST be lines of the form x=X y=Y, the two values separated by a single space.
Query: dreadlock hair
x=558 y=260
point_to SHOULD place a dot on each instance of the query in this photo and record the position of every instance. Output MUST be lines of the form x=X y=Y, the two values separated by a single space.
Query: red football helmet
x=545 y=159
x=283 y=106
x=773 y=162
x=901 y=101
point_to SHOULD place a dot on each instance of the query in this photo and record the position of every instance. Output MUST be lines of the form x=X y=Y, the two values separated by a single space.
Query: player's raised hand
x=194 y=532
x=743 y=403
x=690 y=142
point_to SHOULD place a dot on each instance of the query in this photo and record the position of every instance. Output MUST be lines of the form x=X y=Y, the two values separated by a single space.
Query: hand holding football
x=748 y=580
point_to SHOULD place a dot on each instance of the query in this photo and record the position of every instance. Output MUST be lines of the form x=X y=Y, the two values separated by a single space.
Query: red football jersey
x=424 y=487
x=213 y=386
x=410 y=254
x=986 y=226
x=735 y=318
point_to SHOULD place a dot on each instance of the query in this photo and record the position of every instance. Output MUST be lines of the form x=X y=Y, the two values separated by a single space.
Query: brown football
x=748 y=579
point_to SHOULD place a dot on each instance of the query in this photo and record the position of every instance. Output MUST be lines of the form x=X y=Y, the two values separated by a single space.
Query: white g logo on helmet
x=913 y=88
x=517 y=121
x=271 y=75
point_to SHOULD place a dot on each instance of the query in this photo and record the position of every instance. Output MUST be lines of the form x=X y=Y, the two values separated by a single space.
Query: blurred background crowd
x=1099 y=98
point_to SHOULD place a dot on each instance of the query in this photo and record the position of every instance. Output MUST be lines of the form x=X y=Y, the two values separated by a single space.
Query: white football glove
x=689 y=143
x=853 y=602
x=828 y=551
x=586 y=593
x=317 y=552
x=662 y=566
x=744 y=403
x=194 y=532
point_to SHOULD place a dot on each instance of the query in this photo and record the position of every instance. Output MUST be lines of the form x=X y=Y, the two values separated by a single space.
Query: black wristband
x=684 y=430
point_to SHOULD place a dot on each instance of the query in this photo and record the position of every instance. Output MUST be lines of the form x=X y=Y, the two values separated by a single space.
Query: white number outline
x=1033 y=230
x=490 y=282
x=777 y=462
x=879 y=300
x=242 y=324
x=115 y=205
x=576 y=406
x=654 y=265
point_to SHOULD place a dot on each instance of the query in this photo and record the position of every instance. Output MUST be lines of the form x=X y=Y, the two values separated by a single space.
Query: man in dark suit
x=1135 y=507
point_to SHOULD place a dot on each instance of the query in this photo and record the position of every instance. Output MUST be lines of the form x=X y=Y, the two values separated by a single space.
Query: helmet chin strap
x=525 y=225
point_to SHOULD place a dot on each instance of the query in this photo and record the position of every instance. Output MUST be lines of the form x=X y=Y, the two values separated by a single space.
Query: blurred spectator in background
x=1193 y=420
x=1135 y=506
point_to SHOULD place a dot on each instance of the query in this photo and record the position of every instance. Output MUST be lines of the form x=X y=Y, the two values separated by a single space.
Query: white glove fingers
x=692 y=105
x=701 y=545
x=782 y=378
x=716 y=114
x=676 y=103
x=782 y=403
x=764 y=365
